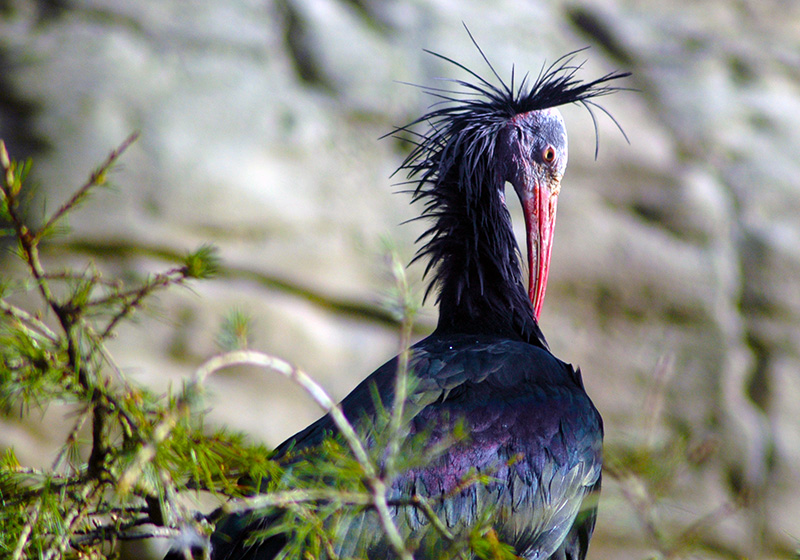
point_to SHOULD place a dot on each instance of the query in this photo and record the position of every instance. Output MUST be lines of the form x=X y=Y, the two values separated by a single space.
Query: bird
x=487 y=367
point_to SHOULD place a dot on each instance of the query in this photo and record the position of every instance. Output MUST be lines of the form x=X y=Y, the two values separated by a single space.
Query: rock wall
x=675 y=279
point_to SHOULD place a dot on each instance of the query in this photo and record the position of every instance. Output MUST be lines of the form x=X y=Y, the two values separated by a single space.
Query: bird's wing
x=530 y=427
x=576 y=543
x=438 y=366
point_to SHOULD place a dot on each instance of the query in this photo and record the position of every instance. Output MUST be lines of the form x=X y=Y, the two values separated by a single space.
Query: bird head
x=480 y=137
x=532 y=154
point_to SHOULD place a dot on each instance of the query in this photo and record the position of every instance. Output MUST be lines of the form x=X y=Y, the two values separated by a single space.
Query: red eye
x=549 y=154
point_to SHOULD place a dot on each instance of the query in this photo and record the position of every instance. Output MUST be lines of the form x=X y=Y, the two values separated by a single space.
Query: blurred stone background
x=675 y=280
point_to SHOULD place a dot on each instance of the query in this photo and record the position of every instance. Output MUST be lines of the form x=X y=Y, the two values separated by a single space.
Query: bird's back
x=530 y=427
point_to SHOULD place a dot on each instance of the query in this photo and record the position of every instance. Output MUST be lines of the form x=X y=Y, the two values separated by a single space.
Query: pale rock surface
x=677 y=259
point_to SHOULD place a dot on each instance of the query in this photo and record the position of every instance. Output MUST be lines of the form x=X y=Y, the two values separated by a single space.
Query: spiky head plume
x=453 y=164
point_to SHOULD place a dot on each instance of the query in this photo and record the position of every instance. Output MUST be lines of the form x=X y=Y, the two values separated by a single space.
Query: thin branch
x=423 y=505
x=126 y=534
x=136 y=296
x=160 y=279
x=96 y=178
x=314 y=390
x=33 y=472
x=95 y=278
x=29 y=245
x=656 y=396
x=387 y=521
x=71 y=438
x=28 y=321
x=401 y=376
x=291 y=497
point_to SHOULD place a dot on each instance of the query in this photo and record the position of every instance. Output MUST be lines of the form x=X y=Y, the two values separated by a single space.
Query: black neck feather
x=474 y=256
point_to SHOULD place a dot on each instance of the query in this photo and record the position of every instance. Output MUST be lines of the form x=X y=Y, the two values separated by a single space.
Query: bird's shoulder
x=453 y=360
x=453 y=369
x=511 y=395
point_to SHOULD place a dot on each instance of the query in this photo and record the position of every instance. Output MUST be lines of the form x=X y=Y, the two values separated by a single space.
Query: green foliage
x=203 y=263
x=234 y=333
x=131 y=453
x=143 y=449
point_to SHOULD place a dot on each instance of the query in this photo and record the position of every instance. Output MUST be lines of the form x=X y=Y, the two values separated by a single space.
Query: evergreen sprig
x=144 y=449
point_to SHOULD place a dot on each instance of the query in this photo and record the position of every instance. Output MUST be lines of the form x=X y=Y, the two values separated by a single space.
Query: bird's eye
x=549 y=154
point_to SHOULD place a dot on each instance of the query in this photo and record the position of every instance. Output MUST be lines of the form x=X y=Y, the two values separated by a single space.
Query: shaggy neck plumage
x=474 y=253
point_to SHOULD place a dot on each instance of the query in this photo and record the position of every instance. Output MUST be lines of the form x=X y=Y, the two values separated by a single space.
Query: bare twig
x=289 y=497
x=656 y=396
x=315 y=391
x=94 y=278
x=127 y=533
x=403 y=358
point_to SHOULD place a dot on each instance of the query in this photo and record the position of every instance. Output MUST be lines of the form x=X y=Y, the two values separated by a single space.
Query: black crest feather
x=451 y=164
